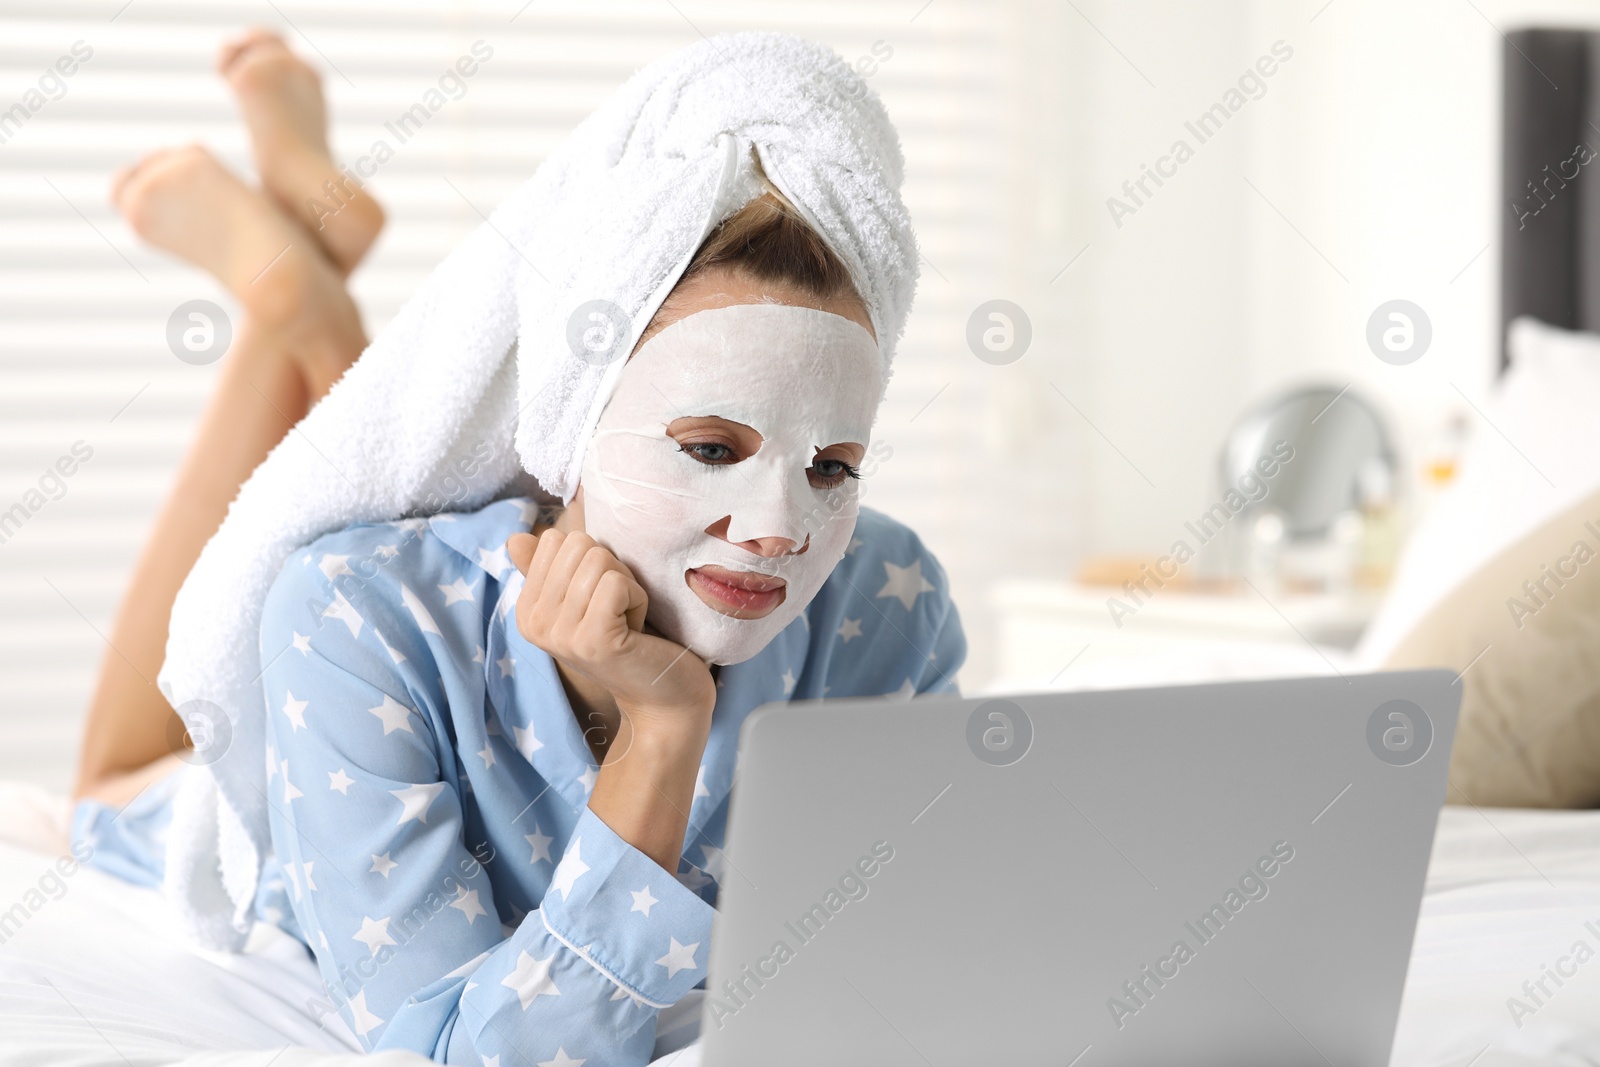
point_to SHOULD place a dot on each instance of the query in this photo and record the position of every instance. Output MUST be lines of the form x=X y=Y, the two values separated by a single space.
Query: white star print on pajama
x=463 y=901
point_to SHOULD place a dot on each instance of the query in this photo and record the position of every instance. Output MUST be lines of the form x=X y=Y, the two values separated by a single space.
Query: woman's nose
x=768 y=508
x=765 y=547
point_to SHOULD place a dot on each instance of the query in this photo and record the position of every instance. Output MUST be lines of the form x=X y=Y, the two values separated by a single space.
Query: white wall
x=1377 y=146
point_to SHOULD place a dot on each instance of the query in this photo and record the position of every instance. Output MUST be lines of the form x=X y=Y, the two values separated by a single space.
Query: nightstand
x=1063 y=635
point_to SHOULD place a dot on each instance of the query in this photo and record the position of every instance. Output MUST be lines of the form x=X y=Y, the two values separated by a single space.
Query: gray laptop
x=1222 y=874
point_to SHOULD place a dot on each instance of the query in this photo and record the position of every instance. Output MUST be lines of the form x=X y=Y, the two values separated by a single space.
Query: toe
x=267 y=65
x=120 y=179
x=158 y=180
x=129 y=183
x=235 y=49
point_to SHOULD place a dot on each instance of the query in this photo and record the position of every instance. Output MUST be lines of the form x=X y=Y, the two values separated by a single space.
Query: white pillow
x=1534 y=454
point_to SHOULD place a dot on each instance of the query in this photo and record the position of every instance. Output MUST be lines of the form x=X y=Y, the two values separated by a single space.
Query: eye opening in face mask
x=714 y=441
x=838 y=471
x=825 y=473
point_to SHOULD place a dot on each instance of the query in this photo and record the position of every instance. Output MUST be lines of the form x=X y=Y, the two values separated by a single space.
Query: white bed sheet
x=100 y=976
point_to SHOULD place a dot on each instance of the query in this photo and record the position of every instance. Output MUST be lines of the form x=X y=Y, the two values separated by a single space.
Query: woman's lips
x=744 y=594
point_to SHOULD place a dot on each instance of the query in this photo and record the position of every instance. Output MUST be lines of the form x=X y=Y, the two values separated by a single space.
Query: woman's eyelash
x=689 y=449
x=847 y=470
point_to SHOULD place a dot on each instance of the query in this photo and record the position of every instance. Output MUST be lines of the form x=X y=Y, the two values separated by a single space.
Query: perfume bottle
x=1380 y=526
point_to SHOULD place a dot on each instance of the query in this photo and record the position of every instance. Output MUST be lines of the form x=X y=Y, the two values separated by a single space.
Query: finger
x=624 y=568
x=616 y=594
x=521 y=547
x=638 y=601
x=580 y=591
x=549 y=544
x=558 y=578
x=530 y=614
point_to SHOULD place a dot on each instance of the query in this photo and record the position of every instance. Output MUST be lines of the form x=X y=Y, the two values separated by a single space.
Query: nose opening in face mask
x=761 y=559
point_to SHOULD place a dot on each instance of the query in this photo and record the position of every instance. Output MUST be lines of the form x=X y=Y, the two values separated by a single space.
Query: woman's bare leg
x=280 y=96
x=299 y=332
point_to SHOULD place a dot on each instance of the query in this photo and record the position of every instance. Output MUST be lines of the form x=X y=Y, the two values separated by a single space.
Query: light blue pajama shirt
x=428 y=783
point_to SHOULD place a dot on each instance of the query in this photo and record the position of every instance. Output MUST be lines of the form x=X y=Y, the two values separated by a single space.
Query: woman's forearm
x=646 y=785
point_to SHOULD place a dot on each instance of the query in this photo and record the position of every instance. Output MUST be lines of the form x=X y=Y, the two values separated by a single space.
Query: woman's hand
x=584 y=607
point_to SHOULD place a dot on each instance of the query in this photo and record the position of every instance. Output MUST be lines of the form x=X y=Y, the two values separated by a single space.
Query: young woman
x=497 y=795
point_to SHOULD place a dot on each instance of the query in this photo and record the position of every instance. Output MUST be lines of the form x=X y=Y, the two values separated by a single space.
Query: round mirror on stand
x=1313 y=521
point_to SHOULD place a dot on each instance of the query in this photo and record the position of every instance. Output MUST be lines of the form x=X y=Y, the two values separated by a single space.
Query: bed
x=98 y=976
x=95 y=972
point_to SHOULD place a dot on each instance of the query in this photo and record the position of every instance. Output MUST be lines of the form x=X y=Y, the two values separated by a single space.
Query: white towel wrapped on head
x=480 y=361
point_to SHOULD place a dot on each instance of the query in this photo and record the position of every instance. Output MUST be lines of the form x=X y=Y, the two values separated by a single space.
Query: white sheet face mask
x=804 y=380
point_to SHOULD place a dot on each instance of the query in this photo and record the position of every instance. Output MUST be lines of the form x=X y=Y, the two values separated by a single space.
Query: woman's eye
x=823 y=474
x=710 y=452
x=831 y=473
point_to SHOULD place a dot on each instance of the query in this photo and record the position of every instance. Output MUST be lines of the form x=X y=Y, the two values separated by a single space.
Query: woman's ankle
x=281 y=98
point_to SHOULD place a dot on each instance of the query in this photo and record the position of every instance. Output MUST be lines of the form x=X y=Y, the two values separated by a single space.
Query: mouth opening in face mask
x=740 y=594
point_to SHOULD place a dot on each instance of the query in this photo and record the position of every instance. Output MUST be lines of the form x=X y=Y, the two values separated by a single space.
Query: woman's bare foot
x=281 y=97
x=185 y=202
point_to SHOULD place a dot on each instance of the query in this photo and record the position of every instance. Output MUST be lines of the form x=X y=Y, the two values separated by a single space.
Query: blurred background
x=1048 y=448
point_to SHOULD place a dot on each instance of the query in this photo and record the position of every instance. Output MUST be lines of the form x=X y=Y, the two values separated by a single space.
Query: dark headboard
x=1550 y=230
